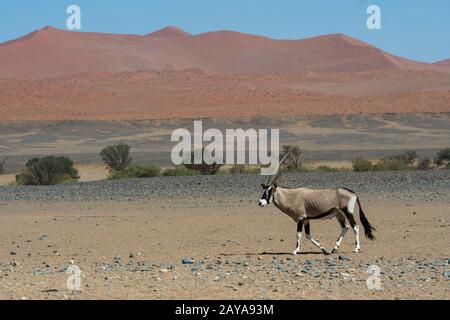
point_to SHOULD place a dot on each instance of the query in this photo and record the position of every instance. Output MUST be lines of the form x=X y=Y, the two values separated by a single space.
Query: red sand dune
x=51 y=52
x=170 y=31
x=54 y=74
x=195 y=94
x=443 y=63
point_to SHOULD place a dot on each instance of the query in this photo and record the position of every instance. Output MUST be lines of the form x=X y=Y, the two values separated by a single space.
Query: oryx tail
x=368 y=228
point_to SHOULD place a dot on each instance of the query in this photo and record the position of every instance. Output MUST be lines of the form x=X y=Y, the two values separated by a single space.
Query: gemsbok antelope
x=304 y=205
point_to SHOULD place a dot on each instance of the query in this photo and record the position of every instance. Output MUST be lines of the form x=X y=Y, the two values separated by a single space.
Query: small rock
x=187 y=261
x=447 y=275
x=144 y=268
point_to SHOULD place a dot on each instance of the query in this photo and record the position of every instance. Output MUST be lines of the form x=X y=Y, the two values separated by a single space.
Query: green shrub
x=237 y=168
x=301 y=168
x=47 y=171
x=409 y=157
x=361 y=164
x=324 y=168
x=117 y=175
x=135 y=172
x=241 y=169
x=116 y=157
x=143 y=171
x=399 y=162
x=443 y=157
x=391 y=165
x=203 y=168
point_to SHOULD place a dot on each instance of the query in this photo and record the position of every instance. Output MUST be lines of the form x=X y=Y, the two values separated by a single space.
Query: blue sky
x=416 y=29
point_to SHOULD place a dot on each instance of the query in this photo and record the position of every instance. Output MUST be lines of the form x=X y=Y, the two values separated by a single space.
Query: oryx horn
x=277 y=172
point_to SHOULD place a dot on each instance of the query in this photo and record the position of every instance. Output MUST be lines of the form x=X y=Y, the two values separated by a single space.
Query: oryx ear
x=275 y=185
x=263 y=186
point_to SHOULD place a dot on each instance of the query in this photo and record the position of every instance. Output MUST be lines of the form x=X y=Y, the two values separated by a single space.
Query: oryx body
x=304 y=205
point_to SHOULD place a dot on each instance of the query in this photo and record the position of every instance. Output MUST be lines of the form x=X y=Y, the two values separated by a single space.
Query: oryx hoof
x=326 y=252
x=356 y=250
x=334 y=250
x=296 y=252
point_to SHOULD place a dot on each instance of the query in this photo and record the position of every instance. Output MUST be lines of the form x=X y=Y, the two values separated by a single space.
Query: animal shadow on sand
x=269 y=254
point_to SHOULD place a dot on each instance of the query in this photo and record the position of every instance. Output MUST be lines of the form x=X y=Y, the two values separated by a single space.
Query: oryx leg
x=355 y=227
x=299 y=237
x=344 y=228
x=316 y=243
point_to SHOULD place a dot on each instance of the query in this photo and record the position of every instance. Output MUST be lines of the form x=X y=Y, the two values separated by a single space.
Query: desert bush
x=116 y=157
x=361 y=164
x=324 y=168
x=298 y=156
x=424 y=164
x=203 y=168
x=2 y=165
x=179 y=171
x=47 y=171
x=238 y=168
x=443 y=157
x=135 y=172
x=301 y=168
x=399 y=162
x=409 y=157
x=241 y=169
x=389 y=164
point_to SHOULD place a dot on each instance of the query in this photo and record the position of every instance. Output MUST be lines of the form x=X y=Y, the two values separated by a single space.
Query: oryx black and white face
x=267 y=197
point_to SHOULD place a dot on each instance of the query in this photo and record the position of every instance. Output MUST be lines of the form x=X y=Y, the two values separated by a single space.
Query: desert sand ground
x=134 y=249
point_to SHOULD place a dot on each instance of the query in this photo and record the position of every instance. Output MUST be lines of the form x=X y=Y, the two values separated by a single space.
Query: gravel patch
x=412 y=185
